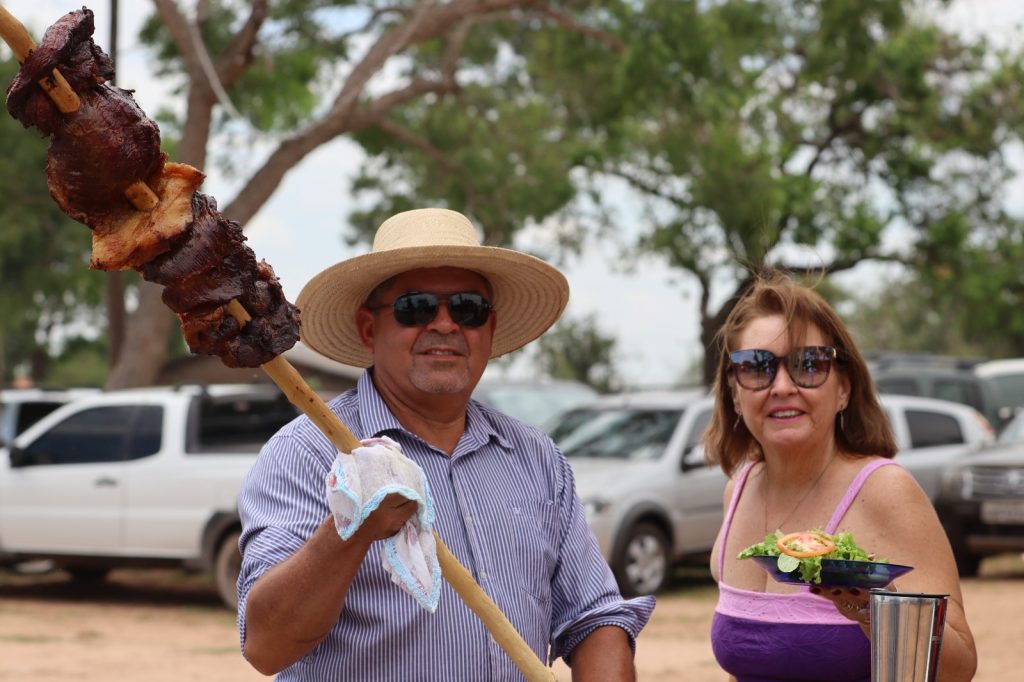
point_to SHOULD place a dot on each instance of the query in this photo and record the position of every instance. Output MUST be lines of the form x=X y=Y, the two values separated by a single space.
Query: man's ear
x=365 y=327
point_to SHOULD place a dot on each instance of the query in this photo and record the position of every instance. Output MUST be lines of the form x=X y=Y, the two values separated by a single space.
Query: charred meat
x=184 y=244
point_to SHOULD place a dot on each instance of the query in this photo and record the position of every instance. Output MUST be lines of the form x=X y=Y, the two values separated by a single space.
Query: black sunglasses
x=807 y=366
x=417 y=308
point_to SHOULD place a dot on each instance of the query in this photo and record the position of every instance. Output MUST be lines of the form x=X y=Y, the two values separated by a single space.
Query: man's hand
x=387 y=519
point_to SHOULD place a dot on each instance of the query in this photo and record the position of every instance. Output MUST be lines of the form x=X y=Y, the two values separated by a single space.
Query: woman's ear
x=844 y=392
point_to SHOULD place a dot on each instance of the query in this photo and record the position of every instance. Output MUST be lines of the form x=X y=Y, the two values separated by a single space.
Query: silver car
x=651 y=500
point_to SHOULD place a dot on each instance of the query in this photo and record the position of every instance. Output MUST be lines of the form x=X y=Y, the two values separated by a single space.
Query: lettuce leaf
x=810 y=567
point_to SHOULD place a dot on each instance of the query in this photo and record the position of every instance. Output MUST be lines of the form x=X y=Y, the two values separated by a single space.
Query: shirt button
x=483 y=575
x=469 y=518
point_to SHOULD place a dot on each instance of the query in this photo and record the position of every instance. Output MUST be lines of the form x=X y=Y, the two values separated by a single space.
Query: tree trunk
x=710 y=326
x=145 y=343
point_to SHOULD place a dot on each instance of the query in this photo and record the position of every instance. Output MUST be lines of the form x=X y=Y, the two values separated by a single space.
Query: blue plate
x=838 y=573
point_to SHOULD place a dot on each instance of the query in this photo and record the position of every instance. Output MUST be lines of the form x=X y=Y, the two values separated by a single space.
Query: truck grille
x=997 y=482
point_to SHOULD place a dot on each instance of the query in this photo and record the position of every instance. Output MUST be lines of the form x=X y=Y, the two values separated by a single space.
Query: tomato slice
x=805 y=544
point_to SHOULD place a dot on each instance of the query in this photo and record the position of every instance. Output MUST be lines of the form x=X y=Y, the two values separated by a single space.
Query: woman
x=799 y=431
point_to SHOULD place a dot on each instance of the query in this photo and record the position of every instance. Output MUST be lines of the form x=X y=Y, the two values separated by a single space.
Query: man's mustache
x=429 y=339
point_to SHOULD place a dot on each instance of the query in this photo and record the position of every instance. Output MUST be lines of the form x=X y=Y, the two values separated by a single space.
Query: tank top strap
x=741 y=480
x=851 y=492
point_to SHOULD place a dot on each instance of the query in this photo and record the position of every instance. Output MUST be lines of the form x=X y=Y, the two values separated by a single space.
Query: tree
x=578 y=350
x=45 y=284
x=798 y=134
x=969 y=306
x=271 y=61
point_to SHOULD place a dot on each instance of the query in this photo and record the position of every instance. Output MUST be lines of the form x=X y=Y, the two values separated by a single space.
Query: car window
x=616 y=434
x=147 y=432
x=700 y=423
x=958 y=391
x=241 y=423
x=929 y=428
x=1013 y=432
x=90 y=436
x=898 y=386
x=1011 y=388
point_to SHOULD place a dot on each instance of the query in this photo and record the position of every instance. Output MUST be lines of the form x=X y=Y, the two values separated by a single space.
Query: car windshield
x=624 y=433
x=1013 y=432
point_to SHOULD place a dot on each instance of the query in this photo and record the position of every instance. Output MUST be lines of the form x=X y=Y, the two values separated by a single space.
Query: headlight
x=958 y=483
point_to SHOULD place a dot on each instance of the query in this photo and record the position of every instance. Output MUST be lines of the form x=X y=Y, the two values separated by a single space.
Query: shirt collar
x=376 y=419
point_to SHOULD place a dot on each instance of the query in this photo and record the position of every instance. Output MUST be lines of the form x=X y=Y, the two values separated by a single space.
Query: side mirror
x=19 y=458
x=693 y=458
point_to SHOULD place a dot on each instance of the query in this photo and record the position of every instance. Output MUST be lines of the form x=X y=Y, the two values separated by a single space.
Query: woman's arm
x=893 y=518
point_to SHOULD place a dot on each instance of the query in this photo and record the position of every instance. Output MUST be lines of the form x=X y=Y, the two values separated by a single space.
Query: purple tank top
x=763 y=637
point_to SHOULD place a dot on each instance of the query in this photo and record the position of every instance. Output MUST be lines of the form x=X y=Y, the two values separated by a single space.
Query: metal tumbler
x=906 y=635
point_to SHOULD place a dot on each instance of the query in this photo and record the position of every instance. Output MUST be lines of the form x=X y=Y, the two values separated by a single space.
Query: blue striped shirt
x=506 y=506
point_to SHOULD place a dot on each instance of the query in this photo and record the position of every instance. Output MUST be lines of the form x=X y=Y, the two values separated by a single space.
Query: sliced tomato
x=805 y=544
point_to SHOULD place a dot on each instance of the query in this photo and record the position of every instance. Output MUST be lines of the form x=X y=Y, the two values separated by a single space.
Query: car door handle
x=105 y=482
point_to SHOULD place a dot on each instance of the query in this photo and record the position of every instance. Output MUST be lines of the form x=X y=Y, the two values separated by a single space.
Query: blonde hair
x=864 y=428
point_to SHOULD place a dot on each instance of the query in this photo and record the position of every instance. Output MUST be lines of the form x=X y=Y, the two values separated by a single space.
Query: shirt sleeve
x=584 y=593
x=281 y=504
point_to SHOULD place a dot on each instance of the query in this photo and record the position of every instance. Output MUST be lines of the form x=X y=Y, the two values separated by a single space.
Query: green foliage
x=295 y=60
x=45 y=281
x=791 y=133
x=578 y=350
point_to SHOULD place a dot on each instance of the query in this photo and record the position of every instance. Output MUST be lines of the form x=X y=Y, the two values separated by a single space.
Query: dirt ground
x=167 y=626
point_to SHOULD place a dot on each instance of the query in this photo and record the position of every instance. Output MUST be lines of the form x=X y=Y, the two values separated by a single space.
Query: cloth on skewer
x=357 y=484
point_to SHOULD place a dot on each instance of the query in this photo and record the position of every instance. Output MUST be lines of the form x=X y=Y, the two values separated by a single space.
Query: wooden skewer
x=306 y=399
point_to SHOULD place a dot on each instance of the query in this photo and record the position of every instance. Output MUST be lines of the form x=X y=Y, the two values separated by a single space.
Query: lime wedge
x=787 y=563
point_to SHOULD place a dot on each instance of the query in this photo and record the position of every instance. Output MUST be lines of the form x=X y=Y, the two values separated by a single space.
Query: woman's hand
x=852 y=602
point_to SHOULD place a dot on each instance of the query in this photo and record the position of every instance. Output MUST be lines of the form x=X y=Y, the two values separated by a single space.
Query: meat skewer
x=162 y=266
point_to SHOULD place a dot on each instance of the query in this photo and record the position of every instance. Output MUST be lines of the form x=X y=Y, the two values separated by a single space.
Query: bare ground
x=167 y=626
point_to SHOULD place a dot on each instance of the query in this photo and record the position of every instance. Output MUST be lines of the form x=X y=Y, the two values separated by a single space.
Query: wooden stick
x=306 y=399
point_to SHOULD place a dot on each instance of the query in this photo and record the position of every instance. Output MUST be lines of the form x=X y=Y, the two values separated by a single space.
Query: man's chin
x=440 y=384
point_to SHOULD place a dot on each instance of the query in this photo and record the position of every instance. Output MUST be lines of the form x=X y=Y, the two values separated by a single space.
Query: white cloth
x=355 y=487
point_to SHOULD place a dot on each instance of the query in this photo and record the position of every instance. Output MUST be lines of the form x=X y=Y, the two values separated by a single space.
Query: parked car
x=535 y=402
x=957 y=384
x=651 y=500
x=20 y=408
x=1008 y=376
x=137 y=478
x=981 y=503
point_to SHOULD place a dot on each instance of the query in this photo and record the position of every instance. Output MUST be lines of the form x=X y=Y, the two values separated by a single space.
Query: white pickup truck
x=137 y=478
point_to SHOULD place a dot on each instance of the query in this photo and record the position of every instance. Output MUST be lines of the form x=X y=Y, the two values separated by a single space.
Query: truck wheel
x=226 y=567
x=641 y=565
x=87 y=574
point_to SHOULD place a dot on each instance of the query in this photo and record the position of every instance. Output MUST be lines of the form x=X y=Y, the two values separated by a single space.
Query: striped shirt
x=505 y=505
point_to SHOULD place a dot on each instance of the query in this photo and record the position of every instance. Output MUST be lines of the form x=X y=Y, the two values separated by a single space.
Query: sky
x=652 y=310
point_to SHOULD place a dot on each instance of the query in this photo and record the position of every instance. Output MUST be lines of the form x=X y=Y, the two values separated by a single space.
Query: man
x=425 y=311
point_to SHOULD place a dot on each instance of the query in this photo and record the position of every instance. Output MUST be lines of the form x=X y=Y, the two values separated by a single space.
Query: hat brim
x=529 y=295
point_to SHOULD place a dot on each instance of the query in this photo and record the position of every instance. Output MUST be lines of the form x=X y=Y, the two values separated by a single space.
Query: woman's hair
x=863 y=429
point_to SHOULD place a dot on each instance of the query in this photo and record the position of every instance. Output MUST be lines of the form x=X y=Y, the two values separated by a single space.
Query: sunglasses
x=417 y=308
x=807 y=366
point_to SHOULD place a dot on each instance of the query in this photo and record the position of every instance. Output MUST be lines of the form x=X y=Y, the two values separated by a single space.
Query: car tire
x=226 y=567
x=641 y=564
x=87 y=575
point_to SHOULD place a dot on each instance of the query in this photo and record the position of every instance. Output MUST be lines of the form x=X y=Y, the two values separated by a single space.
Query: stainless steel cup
x=906 y=635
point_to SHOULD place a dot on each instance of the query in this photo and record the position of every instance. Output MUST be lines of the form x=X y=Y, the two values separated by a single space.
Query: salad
x=806 y=550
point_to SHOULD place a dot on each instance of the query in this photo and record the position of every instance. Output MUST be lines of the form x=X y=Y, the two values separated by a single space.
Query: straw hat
x=529 y=294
